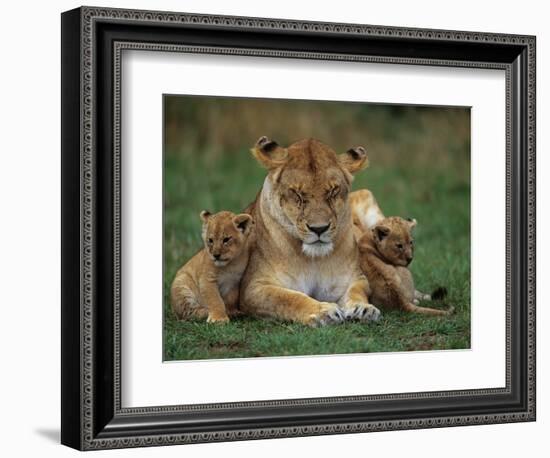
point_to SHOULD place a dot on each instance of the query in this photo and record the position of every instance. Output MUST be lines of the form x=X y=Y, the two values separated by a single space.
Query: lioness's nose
x=318 y=229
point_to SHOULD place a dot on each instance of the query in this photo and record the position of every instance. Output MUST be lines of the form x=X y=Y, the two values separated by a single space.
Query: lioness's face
x=224 y=235
x=313 y=205
x=308 y=186
x=394 y=240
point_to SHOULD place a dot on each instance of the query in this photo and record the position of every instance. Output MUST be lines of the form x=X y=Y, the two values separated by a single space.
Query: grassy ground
x=438 y=196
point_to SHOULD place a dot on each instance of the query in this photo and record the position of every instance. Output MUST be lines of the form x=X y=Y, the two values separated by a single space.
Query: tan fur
x=365 y=211
x=295 y=273
x=208 y=288
x=385 y=252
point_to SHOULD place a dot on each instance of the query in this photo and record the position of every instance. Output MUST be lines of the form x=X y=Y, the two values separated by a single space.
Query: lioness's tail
x=439 y=293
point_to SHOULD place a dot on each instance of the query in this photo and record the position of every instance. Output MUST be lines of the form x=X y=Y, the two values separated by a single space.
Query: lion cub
x=385 y=252
x=207 y=286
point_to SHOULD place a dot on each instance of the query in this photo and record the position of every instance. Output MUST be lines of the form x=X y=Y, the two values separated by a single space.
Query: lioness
x=385 y=252
x=364 y=211
x=305 y=265
x=207 y=286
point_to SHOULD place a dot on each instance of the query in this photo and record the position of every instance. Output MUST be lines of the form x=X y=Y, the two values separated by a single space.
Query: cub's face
x=394 y=241
x=307 y=189
x=225 y=235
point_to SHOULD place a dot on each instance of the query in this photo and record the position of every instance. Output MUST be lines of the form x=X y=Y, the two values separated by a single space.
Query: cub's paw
x=363 y=312
x=217 y=318
x=328 y=313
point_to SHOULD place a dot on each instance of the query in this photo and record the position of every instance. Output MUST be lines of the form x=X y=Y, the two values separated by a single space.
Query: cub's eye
x=412 y=242
x=210 y=241
x=399 y=246
x=226 y=239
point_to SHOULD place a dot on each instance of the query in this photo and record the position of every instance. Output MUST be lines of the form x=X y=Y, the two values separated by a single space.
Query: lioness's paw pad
x=329 y=314
x=354 y=312
x=369 y=313
x=363 y=312
x=221 y=319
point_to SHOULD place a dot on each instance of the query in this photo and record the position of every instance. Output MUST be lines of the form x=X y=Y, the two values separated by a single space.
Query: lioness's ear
x=243 y=222
x=205 y=214
x=354 y=159
x=412 y=222
x=381 y=231
x=269 y=153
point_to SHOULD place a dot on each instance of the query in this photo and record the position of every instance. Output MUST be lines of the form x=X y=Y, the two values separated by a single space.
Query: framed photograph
x=276 y=228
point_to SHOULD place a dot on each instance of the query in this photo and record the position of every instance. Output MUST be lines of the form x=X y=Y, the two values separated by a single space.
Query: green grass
x=437 y=196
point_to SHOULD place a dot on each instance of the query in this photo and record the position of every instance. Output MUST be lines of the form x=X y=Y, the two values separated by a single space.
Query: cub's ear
x=243 y=222
x=381 y=231
x=412 y=222
x=205 y=214
x=354 y=159
x=268 y=153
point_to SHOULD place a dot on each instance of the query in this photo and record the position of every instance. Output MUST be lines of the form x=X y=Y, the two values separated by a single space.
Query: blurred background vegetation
x=391 y=133
x=419 y=167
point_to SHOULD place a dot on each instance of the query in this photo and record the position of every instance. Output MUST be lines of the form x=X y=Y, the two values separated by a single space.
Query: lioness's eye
x=297 y=197
x=334 y=192
x=210 y=241
x=226 y=239
x=399 y=246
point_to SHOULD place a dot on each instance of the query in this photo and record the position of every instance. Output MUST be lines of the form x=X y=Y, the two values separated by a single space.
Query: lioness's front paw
x=217 y=318
x=329 y=313
x=363 y=312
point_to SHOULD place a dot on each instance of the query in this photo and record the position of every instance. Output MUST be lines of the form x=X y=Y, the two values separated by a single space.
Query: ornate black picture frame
x=92 y=42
